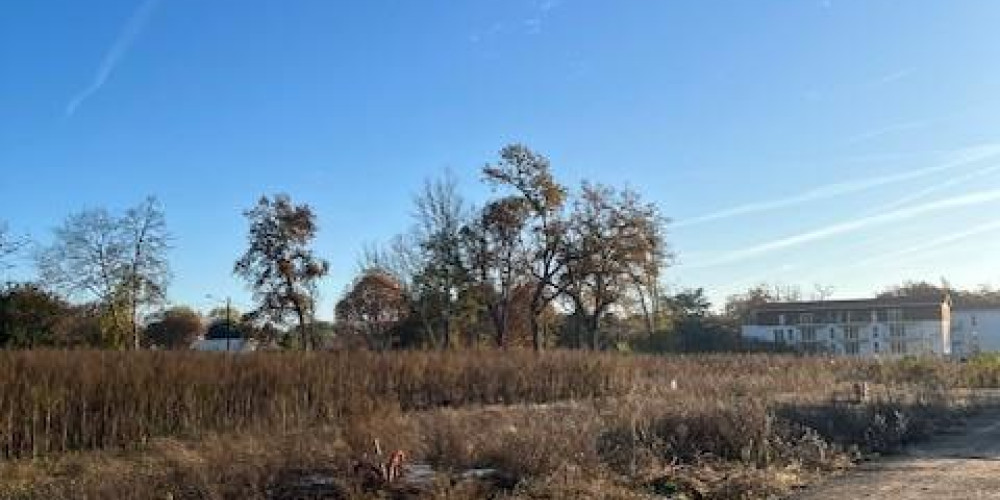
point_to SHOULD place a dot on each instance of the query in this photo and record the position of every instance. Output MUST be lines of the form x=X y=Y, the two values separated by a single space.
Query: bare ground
x=961 y=464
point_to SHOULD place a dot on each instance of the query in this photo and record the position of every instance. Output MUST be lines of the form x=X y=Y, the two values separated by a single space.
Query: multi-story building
x=974 y=329
x=875 y=327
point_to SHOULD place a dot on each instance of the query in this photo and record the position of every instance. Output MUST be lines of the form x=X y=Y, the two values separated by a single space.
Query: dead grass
x=563 y=425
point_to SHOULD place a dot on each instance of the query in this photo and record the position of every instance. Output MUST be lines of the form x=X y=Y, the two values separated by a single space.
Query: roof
x=894 y=302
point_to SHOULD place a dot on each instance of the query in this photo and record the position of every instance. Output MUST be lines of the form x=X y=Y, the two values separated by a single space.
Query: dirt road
x=964 y=464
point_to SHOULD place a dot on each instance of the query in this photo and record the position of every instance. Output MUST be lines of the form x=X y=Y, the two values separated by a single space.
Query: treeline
x=539 y=264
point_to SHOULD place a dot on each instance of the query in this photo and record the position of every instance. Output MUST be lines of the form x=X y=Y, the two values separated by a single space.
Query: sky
x=852 y=144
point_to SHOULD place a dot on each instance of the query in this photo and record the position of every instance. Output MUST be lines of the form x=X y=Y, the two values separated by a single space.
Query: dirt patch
x=962 y=464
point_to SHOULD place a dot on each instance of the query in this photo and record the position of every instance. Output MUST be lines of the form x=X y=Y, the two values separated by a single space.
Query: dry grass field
x=468 y=424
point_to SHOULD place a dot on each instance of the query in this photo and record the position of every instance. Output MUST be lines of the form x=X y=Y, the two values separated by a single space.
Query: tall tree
x=145 y=238
x=279 y=265
x=120 y=260
x=495 y=254
x=441 y=274
x=611 y=235
x=529 y=176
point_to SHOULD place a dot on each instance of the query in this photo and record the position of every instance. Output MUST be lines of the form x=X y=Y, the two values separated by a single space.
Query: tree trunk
x=537 y=337
x=303 y=334
x=593 y=324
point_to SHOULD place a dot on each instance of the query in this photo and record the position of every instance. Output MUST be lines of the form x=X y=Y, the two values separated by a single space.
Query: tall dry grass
x=54 y=401
x=557 y=425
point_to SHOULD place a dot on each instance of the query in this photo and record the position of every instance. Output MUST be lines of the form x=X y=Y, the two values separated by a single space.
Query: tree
x=10 y=245
x=31 y=317
x=373 y=307
x=440 y=273
x=145 y=239
x=740 y=307
x=528 y=174
x=495 y=254
x=611 y=234
x=279 y=266
x=119 y=260
x=175 y=328
x=916 y=289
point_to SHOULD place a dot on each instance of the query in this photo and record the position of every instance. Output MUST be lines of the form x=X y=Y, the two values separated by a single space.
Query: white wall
x=922 y=337
x=974 y=329
x=232 y=345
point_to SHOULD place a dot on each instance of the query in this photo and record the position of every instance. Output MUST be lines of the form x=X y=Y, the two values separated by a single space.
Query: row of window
x=809 y=333
x=846 y=317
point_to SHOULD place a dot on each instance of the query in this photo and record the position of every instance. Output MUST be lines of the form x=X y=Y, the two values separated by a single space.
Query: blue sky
x=848 y=143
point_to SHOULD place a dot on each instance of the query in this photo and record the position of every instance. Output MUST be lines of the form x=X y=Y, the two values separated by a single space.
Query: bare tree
x=119 y=260
x=440 y=275
x=10 y=245
x=528 y=174
x=279 y=266
x=612 y=235
x=822 y=292
x=146 y=241
x=646 y=270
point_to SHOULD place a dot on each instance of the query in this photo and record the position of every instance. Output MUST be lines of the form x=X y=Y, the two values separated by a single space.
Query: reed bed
x=556 y=425
x=57 y=401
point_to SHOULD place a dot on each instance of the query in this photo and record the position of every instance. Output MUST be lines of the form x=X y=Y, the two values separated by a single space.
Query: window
x=809 y=334
x=851 y=333
x=897 y=331
x=895 y=315
x=875 y=331
x=875 y=346
x=897 y=347
x=806 y=318
x=852 y=348
x=779 y=336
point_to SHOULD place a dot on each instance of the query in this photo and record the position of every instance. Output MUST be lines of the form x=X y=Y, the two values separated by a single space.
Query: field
x=90 y=424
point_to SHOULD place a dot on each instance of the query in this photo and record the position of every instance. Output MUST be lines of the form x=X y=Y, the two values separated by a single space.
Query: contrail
x=963 y=157
x=938 y=187
x=136 y=23
x=850 y=226
x=933 y=244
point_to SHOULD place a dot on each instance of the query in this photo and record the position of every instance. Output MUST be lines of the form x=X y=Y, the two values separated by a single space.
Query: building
x=974 y=329
x=224 y=337
x=889 y=327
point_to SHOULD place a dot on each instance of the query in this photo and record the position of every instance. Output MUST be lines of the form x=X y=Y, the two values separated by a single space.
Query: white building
x=876 y=327
x=975 y=329
x=224 y=337
x=224 y=345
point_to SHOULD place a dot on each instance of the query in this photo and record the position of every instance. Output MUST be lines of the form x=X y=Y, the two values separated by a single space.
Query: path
x=960 y=465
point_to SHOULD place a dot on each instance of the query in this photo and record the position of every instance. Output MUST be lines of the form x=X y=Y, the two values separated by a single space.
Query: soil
x=961 y=464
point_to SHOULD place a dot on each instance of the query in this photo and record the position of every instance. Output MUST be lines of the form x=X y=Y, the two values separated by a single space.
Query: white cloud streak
x=954 y=181
x=934 y=244
x=132 y=29
x=977 y=198
x=887 y=130
x=961 y=158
